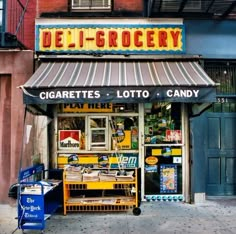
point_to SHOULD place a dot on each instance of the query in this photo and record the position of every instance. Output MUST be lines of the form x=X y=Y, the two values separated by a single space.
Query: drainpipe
x=4 y=16
x=186 y=161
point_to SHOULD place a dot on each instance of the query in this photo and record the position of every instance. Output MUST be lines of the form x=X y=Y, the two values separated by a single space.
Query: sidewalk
x=218 y=216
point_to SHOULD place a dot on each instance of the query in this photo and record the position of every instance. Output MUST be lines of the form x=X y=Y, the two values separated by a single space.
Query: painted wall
x=16 y=68
x=211 y=39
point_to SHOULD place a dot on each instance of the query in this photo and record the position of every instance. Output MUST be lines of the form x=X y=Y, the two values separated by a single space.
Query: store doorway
x=213 y=154
x=163 y=151
x=221 y=154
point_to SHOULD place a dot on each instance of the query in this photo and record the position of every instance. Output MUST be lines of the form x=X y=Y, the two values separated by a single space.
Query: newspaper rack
x=36 y=198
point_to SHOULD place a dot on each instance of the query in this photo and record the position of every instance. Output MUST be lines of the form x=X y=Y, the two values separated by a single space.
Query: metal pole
x=4 y=16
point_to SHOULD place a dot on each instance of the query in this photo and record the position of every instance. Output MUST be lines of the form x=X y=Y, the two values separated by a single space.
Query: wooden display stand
x=37 y=198
x=75 y=189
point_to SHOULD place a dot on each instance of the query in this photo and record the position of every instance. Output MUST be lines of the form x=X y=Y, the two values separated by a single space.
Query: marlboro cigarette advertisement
x=174 y=136
x=69 y=139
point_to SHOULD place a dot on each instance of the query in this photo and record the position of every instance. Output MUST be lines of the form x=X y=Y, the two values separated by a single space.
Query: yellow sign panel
x=174 y=152
x=123 y=142
x=62 y=159
x=114 y=38
x=85 y=107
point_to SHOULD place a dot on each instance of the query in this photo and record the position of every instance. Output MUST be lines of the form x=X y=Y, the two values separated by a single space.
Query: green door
x=220 y=150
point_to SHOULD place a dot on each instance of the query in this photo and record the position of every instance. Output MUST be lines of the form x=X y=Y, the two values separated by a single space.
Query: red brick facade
x=35 y=8
x=45 y=6
x=22 y=25
x=130 y=5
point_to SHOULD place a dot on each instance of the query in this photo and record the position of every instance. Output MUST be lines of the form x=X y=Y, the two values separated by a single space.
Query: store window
x=162 y=123
x=124 y=132
x=98 y=134
x=228 y=106
x=223 y=73
x=163 y=151
x=88 y=5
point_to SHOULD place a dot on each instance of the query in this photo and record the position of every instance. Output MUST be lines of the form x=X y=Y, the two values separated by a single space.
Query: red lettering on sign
x=81 y=38
x=162 y=39
x=71 y=45
x=47 y=38
x=126 y=38
x=58 y=38
x=150 y=38
x=99 y=38
x=175 y=36
x=112 y=39
x=137 y=35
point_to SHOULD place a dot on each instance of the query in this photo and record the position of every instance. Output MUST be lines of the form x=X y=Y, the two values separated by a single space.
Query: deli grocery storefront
x=116 y=89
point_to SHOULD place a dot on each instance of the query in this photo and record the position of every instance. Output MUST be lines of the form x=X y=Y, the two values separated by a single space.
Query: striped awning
x=119 y=81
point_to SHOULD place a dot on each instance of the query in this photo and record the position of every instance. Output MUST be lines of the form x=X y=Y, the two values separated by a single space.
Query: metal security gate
x=220 y=151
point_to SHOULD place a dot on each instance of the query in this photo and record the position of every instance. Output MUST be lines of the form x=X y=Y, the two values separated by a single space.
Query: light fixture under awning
x=119 y=81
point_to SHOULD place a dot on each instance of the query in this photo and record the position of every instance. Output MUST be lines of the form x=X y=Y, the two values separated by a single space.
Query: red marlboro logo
x=69 y=139
x=174 y=135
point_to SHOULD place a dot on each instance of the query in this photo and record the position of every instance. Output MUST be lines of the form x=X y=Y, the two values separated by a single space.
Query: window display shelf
x=128 y=184
x=102 y=208
x=120 y=200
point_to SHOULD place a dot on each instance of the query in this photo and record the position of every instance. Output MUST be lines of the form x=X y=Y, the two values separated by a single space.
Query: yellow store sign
x=140 y=39
x=86 y=107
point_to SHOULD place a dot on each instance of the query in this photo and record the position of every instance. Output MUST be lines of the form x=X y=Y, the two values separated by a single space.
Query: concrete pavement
x=212 y=216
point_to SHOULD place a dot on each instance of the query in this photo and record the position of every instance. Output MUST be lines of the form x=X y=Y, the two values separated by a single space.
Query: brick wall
x=45 y=6
x=24 y=30
x=29 y=25
x=128 y=5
